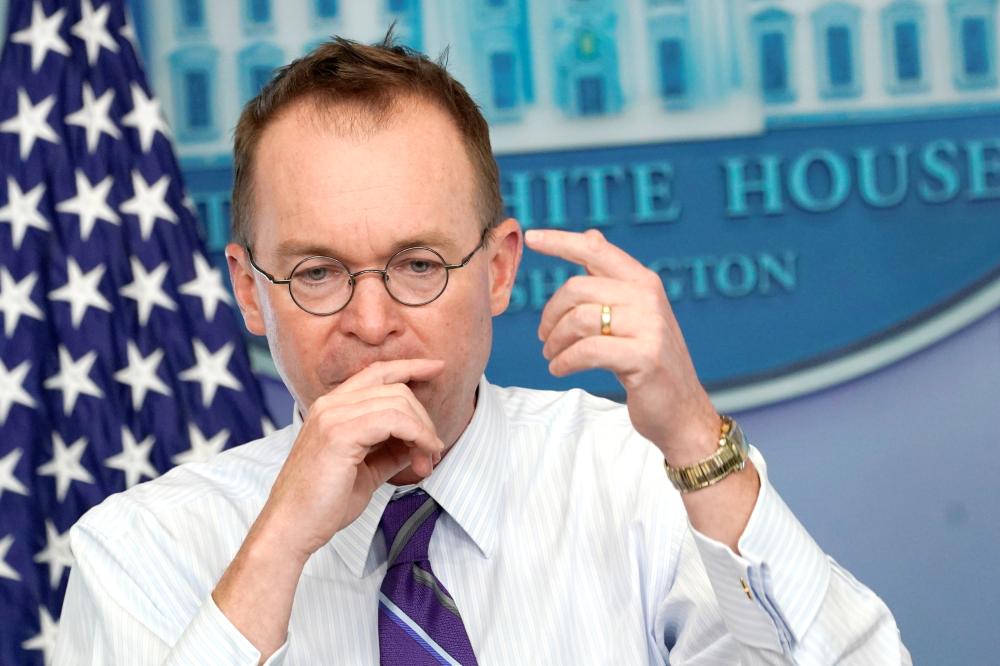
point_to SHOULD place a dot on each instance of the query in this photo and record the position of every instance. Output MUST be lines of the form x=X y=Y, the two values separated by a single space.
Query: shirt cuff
x=770 y=593
x=212 y=638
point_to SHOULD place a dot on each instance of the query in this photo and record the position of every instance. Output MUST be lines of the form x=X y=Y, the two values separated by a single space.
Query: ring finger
x=586 y=319
x=582 y=289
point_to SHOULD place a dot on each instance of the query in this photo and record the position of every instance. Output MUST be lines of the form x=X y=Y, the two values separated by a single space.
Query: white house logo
x=817 y=182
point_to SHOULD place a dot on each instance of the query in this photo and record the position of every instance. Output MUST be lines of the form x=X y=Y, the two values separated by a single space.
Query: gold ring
x=605 y=319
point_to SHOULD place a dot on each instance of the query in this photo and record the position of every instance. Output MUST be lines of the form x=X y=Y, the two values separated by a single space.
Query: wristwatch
x=730 y=457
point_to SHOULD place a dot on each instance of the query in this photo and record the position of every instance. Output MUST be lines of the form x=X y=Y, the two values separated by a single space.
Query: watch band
x=730 y=457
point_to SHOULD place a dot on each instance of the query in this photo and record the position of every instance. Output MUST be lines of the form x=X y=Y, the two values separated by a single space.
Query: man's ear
x=245 y=287
x=505 y=256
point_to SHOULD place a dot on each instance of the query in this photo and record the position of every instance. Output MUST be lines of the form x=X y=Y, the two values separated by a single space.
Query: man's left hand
x=644 y=347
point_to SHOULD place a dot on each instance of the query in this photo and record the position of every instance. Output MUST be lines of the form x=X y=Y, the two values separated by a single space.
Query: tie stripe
x=413 y=630
x=427 y=578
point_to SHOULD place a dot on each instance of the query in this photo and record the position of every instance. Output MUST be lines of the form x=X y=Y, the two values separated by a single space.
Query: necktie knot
x=407 y=525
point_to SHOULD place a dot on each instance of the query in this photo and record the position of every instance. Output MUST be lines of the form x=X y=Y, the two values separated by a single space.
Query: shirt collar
x=467 y=483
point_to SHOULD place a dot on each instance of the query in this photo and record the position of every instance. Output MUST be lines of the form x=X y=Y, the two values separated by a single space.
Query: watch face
x=736 y=437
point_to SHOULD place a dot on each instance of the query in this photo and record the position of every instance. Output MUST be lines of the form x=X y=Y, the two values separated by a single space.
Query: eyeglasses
x=324 y=286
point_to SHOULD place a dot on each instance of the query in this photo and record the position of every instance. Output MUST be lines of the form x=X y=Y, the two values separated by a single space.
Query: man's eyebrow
x=432 y=239
x=298 y=248
x=308 y=248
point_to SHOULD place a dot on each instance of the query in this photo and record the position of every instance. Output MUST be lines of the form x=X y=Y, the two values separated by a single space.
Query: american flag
x=120 y=355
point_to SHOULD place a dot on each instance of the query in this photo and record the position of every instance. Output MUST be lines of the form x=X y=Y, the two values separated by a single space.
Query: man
x=369 y=247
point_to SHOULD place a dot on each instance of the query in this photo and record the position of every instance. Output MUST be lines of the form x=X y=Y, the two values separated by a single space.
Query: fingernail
x=532 y=235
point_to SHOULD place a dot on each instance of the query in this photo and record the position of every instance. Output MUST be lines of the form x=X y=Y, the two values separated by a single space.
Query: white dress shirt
x=562 y=542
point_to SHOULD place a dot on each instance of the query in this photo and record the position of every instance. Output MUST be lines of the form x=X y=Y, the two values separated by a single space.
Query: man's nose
x=372 y=315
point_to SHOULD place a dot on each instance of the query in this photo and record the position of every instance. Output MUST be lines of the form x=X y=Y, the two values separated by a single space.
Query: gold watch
x=730 y=457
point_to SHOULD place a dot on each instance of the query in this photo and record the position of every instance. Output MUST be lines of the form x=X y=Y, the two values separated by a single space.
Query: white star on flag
x=8 y=480
x=65 y=465
x=207 y=285
x=202 y=449
x=56 y=554
x=73 y=378
x=42 y=35
x=45 y=639
x=140 y=374
x=7 y=571
x=90 y=203
x=81 y=291
x=145 y=117
x=92 y=29
x=146 y=289
x=31 y=122
x=22 y=212
x=134 y=458
x=15 y=300
x=149 y=202
x=12 y=388
x=211 y=371
x=94 y=116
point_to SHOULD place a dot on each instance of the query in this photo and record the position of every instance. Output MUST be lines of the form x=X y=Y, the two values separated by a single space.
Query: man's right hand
x=354 y=439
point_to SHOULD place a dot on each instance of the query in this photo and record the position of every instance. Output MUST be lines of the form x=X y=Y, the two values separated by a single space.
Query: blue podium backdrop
x=816 y=182
x=783 y=254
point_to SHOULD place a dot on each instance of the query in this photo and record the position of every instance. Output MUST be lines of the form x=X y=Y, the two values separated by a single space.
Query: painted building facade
x=582 y=73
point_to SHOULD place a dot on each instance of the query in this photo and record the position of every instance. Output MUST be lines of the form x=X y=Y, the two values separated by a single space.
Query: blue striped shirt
x=562 y=542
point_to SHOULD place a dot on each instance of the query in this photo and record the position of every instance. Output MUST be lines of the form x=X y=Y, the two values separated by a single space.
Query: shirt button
x=746 y=589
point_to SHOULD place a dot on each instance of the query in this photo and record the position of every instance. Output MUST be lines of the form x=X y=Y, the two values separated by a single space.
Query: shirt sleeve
x=117 y=612
x=786 y=602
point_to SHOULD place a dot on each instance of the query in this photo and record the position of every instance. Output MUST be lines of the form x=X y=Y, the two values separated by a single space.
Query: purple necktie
x=418 y=622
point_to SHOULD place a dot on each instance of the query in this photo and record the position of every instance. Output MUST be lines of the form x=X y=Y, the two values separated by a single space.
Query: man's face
x=360 y=197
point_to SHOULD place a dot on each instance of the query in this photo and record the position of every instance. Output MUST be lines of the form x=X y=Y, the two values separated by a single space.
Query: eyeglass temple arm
x=468 y=257
x=261 y=270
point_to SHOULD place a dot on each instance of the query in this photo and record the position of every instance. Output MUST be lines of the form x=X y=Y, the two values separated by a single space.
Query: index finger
x=399 y=371
x=588 y=249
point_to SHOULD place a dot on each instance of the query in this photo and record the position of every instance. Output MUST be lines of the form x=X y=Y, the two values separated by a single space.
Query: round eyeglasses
x=324 y=286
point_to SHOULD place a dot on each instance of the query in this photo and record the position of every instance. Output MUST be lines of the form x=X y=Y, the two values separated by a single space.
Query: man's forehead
x=390 y=209
x=421 y=144
x=401 y=183
x=342 y=227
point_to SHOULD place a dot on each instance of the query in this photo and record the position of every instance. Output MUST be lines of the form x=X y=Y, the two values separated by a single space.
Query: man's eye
x=422 y=268
x=317 y=274
x=419 y=266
